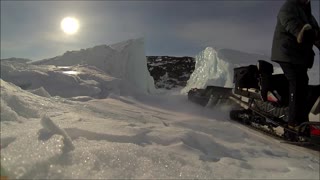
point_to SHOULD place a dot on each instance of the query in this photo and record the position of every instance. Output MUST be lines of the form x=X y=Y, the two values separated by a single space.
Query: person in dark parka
x=295 y=34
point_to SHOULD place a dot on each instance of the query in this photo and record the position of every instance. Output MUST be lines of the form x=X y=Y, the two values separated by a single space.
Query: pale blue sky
x=31 y=29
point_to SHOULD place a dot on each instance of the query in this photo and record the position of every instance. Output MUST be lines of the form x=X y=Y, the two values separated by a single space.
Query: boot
x=290 y=136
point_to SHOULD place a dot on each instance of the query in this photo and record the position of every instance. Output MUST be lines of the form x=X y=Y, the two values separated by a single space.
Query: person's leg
x=298 y=92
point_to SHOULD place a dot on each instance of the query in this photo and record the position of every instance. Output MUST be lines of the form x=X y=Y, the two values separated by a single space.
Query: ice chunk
x=210 y=70
x=215 y=67
x=50 y=126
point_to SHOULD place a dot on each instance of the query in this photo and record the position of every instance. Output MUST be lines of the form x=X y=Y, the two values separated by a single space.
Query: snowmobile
x=260 y=99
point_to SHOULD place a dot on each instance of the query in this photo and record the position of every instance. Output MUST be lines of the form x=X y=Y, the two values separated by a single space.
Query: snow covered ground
x=79 y=122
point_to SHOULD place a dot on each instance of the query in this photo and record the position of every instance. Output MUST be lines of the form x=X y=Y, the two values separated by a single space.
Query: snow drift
x=164 y=137
x=49 y=81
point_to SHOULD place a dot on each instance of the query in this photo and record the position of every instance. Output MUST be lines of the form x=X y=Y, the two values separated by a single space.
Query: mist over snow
x=95 y=114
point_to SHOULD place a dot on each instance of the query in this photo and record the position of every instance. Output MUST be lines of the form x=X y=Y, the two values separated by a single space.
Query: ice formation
x=94 y=72
x=125 y=60
x=215 y=67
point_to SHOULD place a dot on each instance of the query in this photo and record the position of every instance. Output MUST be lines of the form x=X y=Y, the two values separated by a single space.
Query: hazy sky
x=31 y=29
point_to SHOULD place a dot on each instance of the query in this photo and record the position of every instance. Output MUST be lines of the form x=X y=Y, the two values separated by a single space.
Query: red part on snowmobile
x=315 y=134
x=314 y=130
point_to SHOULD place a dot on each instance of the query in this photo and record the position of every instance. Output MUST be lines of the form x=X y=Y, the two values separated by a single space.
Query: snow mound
x=215 y=67
x=14 y=106
x=125 y=60
x=53 y=80
x=7 y=114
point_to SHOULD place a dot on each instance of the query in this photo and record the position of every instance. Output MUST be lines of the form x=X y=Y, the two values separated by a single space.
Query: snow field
x=95 y=125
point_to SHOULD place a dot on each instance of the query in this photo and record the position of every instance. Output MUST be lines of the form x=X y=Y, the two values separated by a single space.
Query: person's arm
x=288 y=17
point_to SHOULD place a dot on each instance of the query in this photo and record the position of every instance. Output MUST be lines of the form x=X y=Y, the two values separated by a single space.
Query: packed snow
x=88 y=125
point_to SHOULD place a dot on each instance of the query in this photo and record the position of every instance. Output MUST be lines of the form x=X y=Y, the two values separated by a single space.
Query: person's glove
x=306 y=35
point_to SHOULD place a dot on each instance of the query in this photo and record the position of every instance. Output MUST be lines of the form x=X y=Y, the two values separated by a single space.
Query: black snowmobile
x=262 y=100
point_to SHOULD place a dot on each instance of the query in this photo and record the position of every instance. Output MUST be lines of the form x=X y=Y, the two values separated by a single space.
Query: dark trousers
x=298 y=92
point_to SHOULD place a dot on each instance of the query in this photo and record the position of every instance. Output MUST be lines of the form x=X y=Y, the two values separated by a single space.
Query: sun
x=69 y=25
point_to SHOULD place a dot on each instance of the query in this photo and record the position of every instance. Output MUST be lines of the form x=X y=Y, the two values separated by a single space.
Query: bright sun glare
x=69 y=25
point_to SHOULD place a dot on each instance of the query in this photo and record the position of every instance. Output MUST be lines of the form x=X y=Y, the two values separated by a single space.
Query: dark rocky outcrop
x=170 y=72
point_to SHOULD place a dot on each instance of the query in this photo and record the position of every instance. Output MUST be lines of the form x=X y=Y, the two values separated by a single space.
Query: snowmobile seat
x=274 y=88
x=265 y=67
x=246 y=77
